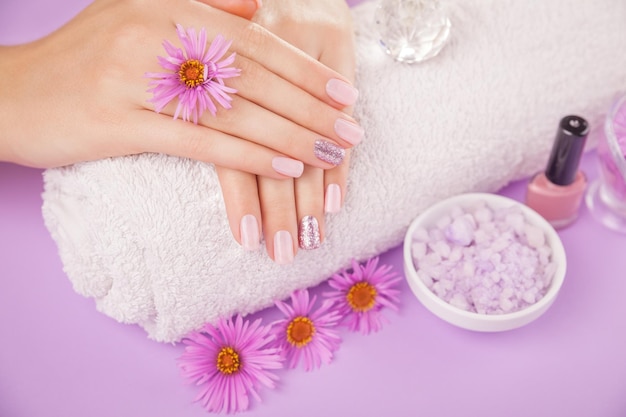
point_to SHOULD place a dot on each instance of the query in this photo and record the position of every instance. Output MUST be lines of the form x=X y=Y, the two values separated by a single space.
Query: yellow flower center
x=191 y=73
x=361 y=296
x=300 y=331
x=228 y=361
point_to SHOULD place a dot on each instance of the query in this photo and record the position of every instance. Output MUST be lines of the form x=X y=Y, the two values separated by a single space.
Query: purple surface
x=60 y=357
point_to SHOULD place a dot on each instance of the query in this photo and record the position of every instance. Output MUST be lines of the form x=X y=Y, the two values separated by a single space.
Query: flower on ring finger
x=194 y=75
x=306 y=333
x=360 y=295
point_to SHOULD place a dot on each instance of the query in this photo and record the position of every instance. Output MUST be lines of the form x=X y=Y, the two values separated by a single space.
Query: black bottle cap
x=567 y=150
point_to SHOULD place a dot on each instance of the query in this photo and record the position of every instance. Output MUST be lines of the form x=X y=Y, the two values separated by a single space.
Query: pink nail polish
x=287 y=166
x=309 y=235
x=332 y=200
x=341 y=92
x=249 y=230
x=349 y=131
x=283 y=247
x=557 y=192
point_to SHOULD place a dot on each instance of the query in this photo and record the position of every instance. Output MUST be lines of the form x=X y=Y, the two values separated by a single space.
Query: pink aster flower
x=229 y=362
x=195 y=76
x=306 y=333
x=360 y=295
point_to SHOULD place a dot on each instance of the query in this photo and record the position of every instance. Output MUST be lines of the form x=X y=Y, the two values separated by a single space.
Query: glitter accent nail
x=329 y=152
x=309 y=236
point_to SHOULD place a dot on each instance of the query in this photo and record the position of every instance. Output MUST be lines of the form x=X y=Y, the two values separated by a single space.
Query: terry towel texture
x=147 y=237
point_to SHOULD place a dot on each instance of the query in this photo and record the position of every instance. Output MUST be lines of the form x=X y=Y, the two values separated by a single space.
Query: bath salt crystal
x=534 y=236
x=461 y=230
x=441 y=248
x=544 y=254
x=484 y=260
x=426 y=279
x=444 y=222
x=483 y=215
x=515 y=221
x=455 y=254
x=420 y=235
x=529 y=295
x=458 y=300
x=418 y=250
x=481 y=236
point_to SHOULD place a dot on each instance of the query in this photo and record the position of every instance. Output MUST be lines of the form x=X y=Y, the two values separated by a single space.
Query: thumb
x=241 y=8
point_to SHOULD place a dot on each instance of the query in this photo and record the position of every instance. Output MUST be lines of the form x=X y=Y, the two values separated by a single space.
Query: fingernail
x=349 y=131
x=329 y=152
x=332 y=201
x=341 y=91
x=287 y=166
x=249 y=230
x=283 y=247
x=309 y=236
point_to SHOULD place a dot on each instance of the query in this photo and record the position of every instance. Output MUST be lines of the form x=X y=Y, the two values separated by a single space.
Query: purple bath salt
x=484 y=260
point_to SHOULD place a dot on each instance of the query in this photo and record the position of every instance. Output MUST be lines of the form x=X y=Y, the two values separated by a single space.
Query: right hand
x=283 y=209
x=80 y=93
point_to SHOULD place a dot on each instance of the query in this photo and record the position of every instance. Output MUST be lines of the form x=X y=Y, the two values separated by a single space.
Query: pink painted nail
x=349 y=131
x=309 y=236
x=287 y=166
x=332 y=202
x=341 y=92
x=249 y=230
x=283 y=247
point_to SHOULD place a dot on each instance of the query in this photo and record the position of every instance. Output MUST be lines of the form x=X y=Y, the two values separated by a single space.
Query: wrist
x=13 y=70
x=7 y=95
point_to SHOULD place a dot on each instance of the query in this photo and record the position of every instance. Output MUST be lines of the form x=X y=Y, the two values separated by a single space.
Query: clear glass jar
x=412 y=30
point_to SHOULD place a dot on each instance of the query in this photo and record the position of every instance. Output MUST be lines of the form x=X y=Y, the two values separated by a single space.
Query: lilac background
x=60 y=357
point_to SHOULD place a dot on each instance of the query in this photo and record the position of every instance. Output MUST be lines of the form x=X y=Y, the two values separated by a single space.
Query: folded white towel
x=146 y=236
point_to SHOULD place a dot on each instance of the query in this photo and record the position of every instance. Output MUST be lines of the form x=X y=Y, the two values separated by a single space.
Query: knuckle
x=199 y=147
x=127 y=38
x=252 y=75
x=255 y=40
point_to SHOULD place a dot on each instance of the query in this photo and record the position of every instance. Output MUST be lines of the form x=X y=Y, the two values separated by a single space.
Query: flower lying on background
x=361 y=294
x=306 y=333
x=193 y=76
x=229 y=361
x=232 y=359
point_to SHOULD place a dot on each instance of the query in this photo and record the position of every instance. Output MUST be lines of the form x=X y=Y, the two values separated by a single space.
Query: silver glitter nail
x=309 y=236
x=329 y=152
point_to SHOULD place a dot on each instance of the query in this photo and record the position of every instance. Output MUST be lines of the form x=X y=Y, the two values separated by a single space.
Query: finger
x=276 y=55
x=268 y=90
x=241 y=198
x=159 y=133
x=241 y=8
x=254 y=123
x=335 y=181
x=309 y=192
x=342 y=59
x=278 y=210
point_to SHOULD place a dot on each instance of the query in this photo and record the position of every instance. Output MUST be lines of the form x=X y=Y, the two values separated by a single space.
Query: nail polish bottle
x=557 y=192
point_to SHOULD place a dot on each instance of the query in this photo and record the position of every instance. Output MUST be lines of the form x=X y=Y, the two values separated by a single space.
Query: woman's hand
x=80 y=94
x=291 y=212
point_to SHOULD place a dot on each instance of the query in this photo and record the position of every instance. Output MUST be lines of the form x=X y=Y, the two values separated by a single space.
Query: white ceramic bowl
x=467 y=319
